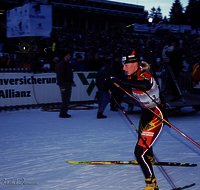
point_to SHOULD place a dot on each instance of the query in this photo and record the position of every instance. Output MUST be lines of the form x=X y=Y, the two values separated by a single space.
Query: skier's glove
x=114 y=80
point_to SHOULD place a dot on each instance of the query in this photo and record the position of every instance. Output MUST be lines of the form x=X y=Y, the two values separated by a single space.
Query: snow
x=35 y=144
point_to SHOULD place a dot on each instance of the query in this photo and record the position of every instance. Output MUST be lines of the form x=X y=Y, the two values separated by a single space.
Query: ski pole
x=183 y=134
x=170 y=180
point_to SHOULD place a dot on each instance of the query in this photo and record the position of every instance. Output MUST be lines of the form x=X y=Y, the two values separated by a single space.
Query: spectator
x=77 y=64
x=176 y=66
x=12 y=61
x=158 y=64
x=54 y=63
x=88 y=62
x=36 y=65
x=97 y=62
x=1 y=61
x=65 y=81
x=4 y=61
x=102 y=77
x=196 y=74
x=192 y=63
x=186 y=65
x=117 y=93
x=8 y=62
x=46 y=65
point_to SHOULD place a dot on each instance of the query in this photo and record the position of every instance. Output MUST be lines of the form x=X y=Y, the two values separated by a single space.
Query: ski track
x=34 y=146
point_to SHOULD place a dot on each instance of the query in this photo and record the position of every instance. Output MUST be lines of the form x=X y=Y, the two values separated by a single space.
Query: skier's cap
x=130 y=58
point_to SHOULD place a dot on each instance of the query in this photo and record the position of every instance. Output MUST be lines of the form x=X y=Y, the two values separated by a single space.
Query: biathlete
x=145 y=89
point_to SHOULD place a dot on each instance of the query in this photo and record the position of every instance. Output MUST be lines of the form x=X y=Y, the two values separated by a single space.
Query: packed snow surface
x=35 y=144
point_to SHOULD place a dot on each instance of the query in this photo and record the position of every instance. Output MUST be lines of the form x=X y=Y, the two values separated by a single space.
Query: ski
x=129 y=163
x=185 y=187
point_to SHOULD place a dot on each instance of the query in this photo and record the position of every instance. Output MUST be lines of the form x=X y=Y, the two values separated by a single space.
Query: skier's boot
x=151 y=184
x=134 y=161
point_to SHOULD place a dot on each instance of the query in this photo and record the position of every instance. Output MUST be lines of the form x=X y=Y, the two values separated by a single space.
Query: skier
x=145 y=89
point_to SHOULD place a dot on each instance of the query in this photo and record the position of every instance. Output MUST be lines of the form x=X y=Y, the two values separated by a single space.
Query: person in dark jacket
x=175 y=63
x=117 y=93
x=97 y=62
x=36 y=65
x=65 y=80
x=102 y=78
x=77 y=64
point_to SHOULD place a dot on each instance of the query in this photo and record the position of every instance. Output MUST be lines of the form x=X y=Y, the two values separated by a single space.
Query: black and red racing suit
x=145 y=89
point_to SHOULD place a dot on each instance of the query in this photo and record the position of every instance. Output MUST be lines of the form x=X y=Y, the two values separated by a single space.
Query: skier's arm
x=143 y=85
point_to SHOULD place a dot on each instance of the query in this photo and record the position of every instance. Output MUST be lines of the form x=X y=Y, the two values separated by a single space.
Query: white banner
x=173 y=28
x=29 y=20
x=141 y=27
x=27 y=88
x=184 y=28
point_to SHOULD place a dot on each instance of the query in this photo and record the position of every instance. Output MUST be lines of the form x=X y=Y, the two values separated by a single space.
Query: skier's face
x=130 y=68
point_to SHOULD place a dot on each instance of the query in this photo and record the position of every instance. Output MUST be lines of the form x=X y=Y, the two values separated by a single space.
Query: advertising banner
x=28 y=88
x=141 y=27
x=174 y=28
x=29 y=20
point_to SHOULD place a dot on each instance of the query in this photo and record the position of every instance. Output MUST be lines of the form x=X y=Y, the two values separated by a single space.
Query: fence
x=184 y=82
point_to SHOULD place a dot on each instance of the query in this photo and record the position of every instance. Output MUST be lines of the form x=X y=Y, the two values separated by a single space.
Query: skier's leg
x=149 y=128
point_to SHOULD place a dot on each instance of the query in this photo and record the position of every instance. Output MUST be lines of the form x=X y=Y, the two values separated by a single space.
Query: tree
x=152 y=12
x=165 y=20
x=176 y=14
x=158 y=15
x=155 y=14
x=192 y=13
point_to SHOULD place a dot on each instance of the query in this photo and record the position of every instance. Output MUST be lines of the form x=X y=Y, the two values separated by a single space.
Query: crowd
x=96 y=47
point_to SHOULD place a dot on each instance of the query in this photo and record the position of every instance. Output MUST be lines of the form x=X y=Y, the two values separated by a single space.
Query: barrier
x=14 y=70
x=184 y=82
x=21 y=89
